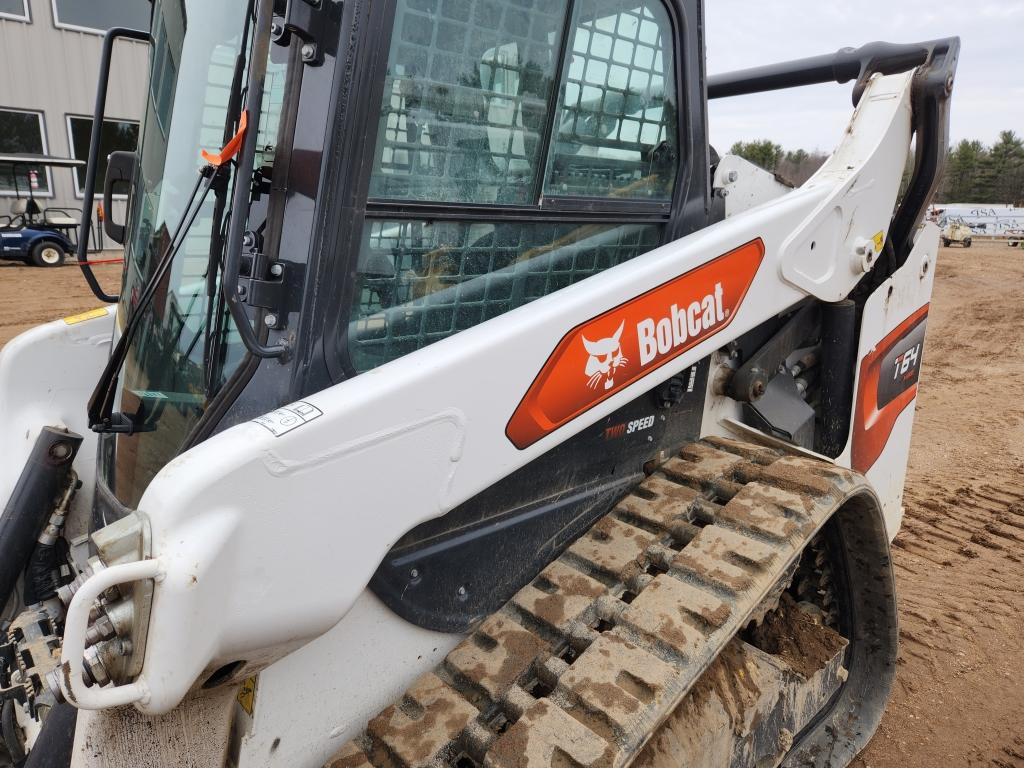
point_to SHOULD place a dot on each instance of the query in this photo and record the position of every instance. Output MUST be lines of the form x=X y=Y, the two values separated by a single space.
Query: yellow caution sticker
x=83 y=316
x=247 y=695
x=879 y=240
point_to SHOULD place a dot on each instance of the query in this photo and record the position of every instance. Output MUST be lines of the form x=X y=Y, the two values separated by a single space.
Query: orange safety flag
x=231 y=148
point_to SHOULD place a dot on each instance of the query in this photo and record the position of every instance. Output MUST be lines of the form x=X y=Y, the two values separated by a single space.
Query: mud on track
x=959 y=695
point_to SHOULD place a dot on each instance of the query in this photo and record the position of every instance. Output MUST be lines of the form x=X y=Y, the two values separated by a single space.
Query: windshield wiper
x=101 y=404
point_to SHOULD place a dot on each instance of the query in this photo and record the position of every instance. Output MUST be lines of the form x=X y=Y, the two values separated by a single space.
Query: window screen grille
x=615 y=134
x=465 y=99
x=418 y=283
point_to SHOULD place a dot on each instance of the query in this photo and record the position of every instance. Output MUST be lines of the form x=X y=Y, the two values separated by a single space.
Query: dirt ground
x=31 y=295
x=959 y=559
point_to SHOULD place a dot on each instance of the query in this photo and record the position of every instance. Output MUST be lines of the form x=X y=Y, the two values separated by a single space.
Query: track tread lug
x=350 y=756
x=418 y=729
x=572 y=594
x=510 y=649
x=613 y=547
x=545 y=736
x=616 y=681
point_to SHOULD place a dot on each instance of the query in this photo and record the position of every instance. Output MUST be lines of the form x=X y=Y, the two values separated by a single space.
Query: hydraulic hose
x=46 y=475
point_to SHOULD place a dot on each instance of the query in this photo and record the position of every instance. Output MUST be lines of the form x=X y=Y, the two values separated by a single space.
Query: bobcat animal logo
x=605 y=357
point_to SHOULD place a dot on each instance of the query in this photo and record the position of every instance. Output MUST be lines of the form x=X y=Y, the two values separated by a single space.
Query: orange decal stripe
x=873 y=424
x=607 y=353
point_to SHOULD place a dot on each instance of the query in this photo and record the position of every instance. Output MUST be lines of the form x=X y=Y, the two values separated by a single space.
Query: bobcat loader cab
x=466 y=408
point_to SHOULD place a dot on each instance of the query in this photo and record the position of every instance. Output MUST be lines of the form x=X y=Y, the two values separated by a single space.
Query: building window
x=21 y=132
x=100 y=15
x=14 y=9
x=116 y=136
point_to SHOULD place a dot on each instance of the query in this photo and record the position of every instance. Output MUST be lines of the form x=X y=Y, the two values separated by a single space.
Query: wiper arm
x=101 y=403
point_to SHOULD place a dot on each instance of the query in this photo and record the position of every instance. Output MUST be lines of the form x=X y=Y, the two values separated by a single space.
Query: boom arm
x=251 y=561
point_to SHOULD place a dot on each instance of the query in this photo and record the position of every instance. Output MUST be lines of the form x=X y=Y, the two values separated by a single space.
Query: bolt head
x=308 y=51
x=276 y=269
x=270 y=320
x=60 y=450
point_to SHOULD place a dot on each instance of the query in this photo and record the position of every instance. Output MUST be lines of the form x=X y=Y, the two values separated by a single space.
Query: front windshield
x=186 y=345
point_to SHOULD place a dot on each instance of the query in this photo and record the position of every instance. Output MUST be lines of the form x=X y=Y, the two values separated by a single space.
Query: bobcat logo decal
x=588 y=365
x=605 y=357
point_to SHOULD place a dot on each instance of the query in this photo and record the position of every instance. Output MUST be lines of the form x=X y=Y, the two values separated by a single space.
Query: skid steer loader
x=461 y=406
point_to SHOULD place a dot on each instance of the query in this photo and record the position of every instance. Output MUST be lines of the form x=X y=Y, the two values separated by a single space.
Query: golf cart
x=39 y=236
x=956 y=232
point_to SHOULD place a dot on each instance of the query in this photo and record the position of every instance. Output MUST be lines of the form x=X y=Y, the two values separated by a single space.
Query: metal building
x=49 y=60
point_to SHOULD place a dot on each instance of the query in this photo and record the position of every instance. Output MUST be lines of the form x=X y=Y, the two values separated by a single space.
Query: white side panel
x=46 y=377
x=909 y=289
x=197 y=733
x=320 y=696
x=889 y=473
x=745 y=185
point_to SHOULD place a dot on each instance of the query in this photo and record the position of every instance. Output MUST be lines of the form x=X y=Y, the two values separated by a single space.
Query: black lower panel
x=450 y=573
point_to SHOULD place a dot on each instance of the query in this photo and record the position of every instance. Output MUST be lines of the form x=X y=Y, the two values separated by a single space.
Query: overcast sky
x=988 y=95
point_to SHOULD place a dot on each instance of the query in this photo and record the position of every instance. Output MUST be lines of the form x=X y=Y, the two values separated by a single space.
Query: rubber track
x=584 y=663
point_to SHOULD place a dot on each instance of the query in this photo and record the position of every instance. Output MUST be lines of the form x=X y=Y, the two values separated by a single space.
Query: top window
x=14 y=9
x=615 y=132
x=101 y=15
x=466 y=100
x=470 y=102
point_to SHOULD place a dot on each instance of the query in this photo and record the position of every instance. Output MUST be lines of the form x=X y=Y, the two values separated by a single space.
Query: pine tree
x=763 y=153
x=1006 y=161
x=963 y=171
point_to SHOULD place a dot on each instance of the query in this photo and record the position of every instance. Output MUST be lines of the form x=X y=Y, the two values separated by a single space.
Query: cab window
x=507 y=110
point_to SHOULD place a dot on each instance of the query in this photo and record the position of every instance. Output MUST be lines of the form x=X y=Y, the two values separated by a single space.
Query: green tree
x=964 y=172
x=763 y=153
x=1005 y=169
x=797 y=166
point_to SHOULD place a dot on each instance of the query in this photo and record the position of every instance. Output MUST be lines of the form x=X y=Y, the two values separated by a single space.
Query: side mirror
x=120 y=170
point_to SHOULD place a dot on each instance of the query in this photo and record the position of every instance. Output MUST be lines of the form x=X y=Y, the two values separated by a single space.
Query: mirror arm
x=94 y=150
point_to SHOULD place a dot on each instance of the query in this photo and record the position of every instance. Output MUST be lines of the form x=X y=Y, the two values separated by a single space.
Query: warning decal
x=289 y=417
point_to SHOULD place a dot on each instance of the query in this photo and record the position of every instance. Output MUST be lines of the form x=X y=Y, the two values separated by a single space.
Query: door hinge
x=313 y=22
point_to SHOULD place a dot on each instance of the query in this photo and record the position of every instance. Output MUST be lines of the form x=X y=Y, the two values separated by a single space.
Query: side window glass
x=420 y=281
x=615 y=132
x=465 y=100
